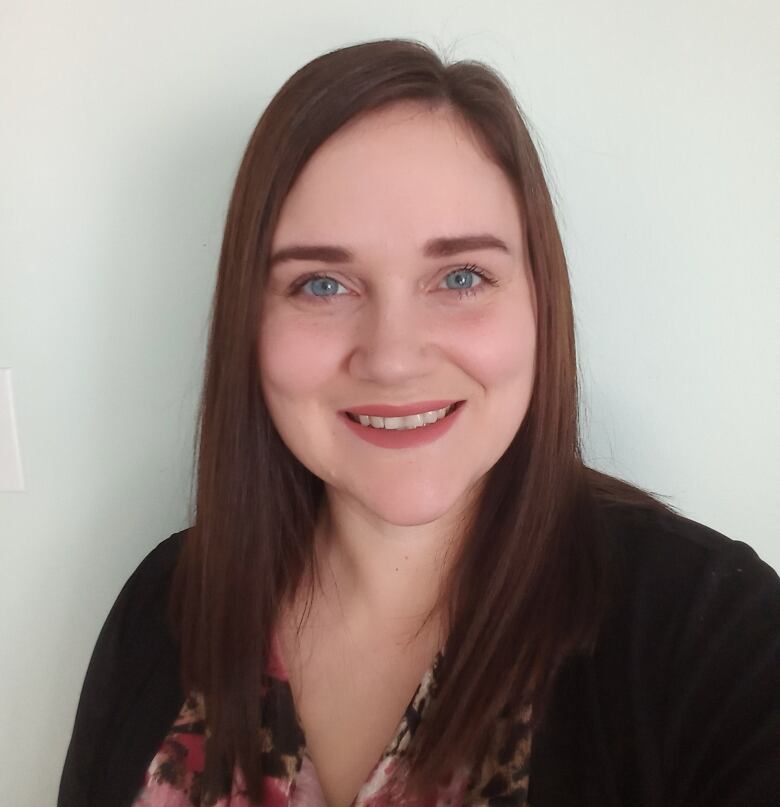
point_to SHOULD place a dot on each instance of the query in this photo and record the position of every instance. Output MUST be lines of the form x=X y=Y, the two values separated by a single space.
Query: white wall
x=121 y=127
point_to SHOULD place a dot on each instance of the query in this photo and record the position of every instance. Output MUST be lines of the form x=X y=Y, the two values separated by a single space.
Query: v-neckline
x=174 y=774
x=306 y=776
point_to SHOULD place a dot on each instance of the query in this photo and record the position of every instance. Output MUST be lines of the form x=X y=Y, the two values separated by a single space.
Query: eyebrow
x=435 y=248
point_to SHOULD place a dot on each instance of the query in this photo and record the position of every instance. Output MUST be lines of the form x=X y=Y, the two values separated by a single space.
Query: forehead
x=396 y=177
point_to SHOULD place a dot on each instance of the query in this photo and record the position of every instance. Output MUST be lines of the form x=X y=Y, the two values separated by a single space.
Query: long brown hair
x=530 y=582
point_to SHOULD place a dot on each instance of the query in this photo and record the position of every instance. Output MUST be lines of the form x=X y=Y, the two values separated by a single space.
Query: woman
x=403 y=586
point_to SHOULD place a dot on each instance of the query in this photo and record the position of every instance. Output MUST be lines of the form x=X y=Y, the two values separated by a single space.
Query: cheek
x=295 y=358
x=498 y=348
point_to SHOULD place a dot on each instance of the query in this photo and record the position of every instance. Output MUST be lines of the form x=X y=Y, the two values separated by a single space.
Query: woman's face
x=396 y=320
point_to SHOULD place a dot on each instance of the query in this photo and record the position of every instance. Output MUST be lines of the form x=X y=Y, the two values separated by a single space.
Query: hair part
x=530 y=580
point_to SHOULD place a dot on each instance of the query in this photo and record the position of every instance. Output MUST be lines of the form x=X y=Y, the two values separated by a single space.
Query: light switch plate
x=11 y=478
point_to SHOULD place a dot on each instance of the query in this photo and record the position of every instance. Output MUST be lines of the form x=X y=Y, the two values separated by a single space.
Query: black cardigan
x=678 y=706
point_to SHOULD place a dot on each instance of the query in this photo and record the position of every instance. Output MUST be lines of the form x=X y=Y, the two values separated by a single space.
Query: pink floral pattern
x=173 y=778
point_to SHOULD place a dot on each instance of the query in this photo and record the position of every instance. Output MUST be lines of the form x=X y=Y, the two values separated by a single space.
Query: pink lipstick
x=402 y=438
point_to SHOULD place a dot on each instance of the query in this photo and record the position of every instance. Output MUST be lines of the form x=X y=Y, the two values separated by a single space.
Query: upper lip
x=391 y=411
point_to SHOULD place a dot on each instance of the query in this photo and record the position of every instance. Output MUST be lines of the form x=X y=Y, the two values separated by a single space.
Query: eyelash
x=297 y=287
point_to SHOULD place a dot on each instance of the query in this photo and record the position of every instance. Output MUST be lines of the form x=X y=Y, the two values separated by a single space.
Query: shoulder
x=131 y=688
x=677 y=556
x=684 y=587
x=138 y=616
x=138 y=619
x=148 y=586
x=688 y=665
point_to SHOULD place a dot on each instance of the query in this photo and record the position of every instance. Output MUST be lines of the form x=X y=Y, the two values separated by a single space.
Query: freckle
x=396 y=568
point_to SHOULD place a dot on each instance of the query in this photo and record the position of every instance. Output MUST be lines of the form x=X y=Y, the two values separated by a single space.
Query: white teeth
x=407 y=422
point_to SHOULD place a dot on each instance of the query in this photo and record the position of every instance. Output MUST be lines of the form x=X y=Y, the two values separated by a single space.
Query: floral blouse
x=174 y=774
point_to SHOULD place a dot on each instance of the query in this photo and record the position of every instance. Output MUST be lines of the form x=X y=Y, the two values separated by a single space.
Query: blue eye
x=463 y=284
x=321 y=282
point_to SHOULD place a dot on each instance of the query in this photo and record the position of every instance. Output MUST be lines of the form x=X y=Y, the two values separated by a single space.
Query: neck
x=380 y=577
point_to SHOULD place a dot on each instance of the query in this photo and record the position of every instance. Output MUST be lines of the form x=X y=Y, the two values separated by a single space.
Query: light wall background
x=121 y=128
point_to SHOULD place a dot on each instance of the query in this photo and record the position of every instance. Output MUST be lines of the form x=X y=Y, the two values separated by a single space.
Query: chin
x=403 y=510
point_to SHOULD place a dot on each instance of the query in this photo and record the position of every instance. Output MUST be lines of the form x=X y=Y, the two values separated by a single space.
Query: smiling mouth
x=407 y=422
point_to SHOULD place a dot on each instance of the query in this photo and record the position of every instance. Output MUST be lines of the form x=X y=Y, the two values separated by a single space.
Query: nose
x=393 y=340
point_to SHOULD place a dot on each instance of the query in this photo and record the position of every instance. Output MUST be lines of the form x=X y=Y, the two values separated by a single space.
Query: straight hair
x=530 y=581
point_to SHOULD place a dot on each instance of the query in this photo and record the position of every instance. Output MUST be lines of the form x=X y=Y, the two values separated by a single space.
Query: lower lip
x=404 y=438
